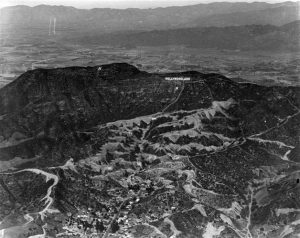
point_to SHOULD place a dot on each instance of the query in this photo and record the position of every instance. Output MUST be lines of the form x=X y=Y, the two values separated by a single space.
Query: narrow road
x=249 y=235
x=176 y=99
x=48 y=199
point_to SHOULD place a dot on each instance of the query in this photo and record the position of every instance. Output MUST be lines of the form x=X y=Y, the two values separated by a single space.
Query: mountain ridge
x=108 y=20
x=165 y=155
x=92 y=88
x=247 y=37
x=197 y=4
x=272 y=16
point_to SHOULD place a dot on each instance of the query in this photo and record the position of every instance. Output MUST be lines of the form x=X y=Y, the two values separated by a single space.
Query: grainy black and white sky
x=119 y=3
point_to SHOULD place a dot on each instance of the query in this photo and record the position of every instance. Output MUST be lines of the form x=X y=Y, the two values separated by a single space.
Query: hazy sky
x=118 y=3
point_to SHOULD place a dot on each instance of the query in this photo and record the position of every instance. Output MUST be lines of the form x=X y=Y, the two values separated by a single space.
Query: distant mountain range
x=223 y=25
x=249 y=37
x=108 y=20
x=276 y=15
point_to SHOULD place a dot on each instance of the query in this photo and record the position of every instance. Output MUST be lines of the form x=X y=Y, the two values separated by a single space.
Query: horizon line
x=149 y=8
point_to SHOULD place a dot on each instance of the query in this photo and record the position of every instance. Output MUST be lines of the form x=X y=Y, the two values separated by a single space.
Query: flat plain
x=261 y=67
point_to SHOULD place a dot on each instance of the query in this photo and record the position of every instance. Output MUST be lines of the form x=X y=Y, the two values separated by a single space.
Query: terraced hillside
x=110 y=151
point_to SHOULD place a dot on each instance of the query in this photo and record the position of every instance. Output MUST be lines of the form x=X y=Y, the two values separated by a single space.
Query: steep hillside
x=111 y=151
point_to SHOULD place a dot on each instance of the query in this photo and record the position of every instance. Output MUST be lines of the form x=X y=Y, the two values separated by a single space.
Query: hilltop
x=177 y=154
